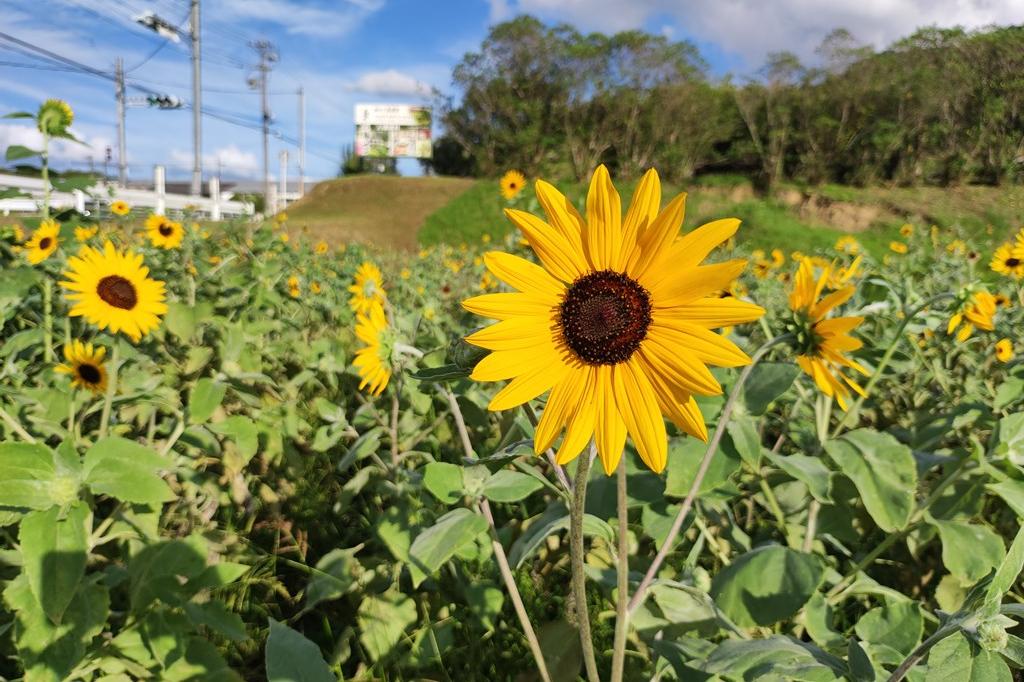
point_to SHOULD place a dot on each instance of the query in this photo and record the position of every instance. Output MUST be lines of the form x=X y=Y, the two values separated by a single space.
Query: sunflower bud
x=991 y=634
x=54 y=117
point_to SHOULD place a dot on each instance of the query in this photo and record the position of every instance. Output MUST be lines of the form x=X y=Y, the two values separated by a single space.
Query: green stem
x=45 y=157
x=48 y=319
x=108 y=399
x=893 y=345
x=579 y=578
x=723 y=420
x=622 y=598
x=16 y=426
x=919 y=653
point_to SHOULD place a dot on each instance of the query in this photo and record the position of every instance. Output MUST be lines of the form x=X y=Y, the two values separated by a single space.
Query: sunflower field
x=602 y=448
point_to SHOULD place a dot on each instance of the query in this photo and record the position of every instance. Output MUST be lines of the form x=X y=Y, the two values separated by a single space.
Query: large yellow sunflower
x=823 y=341
x=85 y=366
x=163 y=232
x=373 y=360
x=1009 y=260
x=512 y=183
x=977 y=312
x=113 y=289
x=1004 y=350
x=616 y=321
x=43 y=243
x=367 y=288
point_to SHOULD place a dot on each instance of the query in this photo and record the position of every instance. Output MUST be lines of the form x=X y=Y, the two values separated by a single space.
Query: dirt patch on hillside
x=844 y=216
x=384 y=211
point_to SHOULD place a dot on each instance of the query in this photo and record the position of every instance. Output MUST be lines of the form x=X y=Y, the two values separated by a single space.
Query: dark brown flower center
x=604 y=317
x=90 y=374
x=118 y=292
x=1012 y=262
x=166 y=230
x=44 y=243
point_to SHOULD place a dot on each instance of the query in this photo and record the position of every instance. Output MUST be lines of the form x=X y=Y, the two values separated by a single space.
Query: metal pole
x=197 y=104
x=122 y=154
x=264 y=68
x=282 y=193
x=302 y=142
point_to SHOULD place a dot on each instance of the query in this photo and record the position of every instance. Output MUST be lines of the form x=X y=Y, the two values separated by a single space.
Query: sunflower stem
x=45 y=164
x=48 y=319
x=484 y=508
x=622 y=565
x=677 y=525
x=854 y=410
x=16 y=426
x=579 y=578
x=108 y=399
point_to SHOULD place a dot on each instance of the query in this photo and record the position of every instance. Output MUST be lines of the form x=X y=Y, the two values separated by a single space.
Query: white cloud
x=61 y=151
x=389 y=82
x=230 y=161
x=753 y=28
x=500 y=11
x=303 y=18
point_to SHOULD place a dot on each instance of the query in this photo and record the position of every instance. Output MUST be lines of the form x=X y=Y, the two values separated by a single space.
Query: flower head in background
x=321 y=248
x=84 y=234
x=54 y=117
x=898 y=247
x=512 y=183
x=113 y=290
x=976 y=312
x=1009 y=260
x=848 y=244
x=43 y=243
x=367 y=289
x=120 y=208
x=616 y=322
x=163 y=232
x=84 y=364
x=1004 y=350
x=373 y=358
x=822 y=341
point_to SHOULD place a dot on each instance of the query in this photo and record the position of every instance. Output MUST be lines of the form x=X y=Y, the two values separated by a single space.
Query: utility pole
x=302 y=142
x=267 y=57
x=282 y=181
x=197 y=96
x=122 y=154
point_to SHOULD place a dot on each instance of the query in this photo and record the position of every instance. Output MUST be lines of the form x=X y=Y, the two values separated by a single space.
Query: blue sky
x=348 y=51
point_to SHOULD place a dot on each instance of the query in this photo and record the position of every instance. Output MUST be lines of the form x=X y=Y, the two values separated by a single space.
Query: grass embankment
x=791 y=218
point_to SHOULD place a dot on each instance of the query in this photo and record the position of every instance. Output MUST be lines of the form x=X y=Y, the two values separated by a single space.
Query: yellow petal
x=693 y=247
x=505 y=364
x=678 y=366
x=610 y=430
x=523 y=275
x=715 y=312
x=529 y=384
x=580 y=428
x=551 y=247
x=643 y=209
x=602 y=238
x=705 y=344
x=563 y=216
x=657 y=239
x=516 y=332
x=506 y=306
x=694 y=283
x=564 y=399
x=638 y=407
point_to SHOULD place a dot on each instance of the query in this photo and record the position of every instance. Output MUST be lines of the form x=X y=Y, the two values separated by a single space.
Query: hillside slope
x=385 y=211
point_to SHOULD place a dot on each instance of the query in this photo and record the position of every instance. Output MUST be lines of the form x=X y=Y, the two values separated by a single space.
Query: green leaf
x=217 y=617
x=897 y=625
x=293 y=658
x=744 y=439
x=27 y=474
x=553 y=520
x=383 y=619
x=684 y=456
x=126 y=470
x=156 y=572
x=48 y=651
x=1012 y=492
x=683 y=605
x=818 y=621
x=180 y=319
x=775 y=657
x=54 y=549
x=1006 y=575
x=810 y=471
x=766 y=585
x=17 y=151
x=243 y=432
x=202 y=661
x=561 y=648
x=74 y=182
x=444 y=481
x=449 y=372
x=1010 y=438
x=206 y=397
x=510 y=486
x=768 y=381
x=956 y=659
x=437 y=544
x=969 y=551
x=334 y=576
x=485 y=602
x=884 y=472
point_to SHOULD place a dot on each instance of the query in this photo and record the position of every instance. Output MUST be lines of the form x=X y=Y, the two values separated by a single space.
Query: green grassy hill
x=404 y=212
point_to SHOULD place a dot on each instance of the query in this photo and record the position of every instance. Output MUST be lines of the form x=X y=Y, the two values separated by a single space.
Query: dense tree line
x=941 y=106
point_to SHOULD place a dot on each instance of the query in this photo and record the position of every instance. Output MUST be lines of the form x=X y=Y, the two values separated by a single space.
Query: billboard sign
x=393 y=130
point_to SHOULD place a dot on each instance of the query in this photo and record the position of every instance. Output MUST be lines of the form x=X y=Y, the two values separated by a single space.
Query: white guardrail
x=215 y=207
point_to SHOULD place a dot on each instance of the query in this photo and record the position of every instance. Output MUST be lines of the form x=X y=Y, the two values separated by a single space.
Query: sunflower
x=373 y=360
x=822 y=341
x=84 y=234
x=512 y=183
x=120 y=208
x=616 y=322
x=778 y=258
x=85 y=366
x=111 y=288
x=1002 y=300
x=54 y=117
x=367 y=288
x=1004 y=350
x=1009 y=260
x=848 y=244
x=43 y=243
x=314 y=287
x=163 y=232
x=957 y=247
x=978 y=311
x=321 y=248
x=898 y=247
x=907 y=230
x=841 y=276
